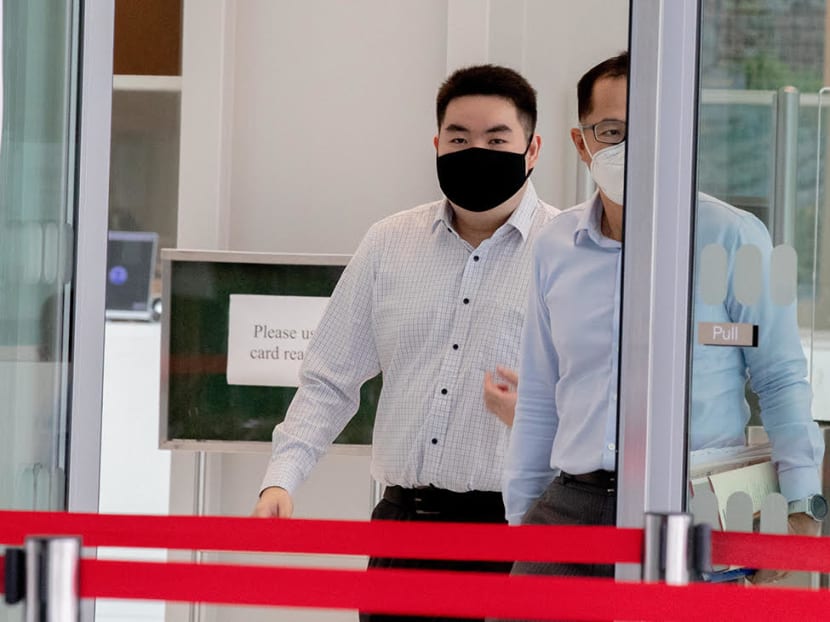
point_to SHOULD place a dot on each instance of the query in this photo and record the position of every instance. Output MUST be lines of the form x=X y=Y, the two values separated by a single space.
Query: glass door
x=54 y=167
x=54 y=170
x=723 y=370
x=760 y=322
x=37 y=200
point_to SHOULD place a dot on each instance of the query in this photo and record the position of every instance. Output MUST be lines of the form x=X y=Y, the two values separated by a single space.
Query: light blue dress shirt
x=566 y=415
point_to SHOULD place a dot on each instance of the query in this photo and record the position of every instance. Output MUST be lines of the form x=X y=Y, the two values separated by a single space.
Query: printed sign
x=727 y=334
x=268 y=336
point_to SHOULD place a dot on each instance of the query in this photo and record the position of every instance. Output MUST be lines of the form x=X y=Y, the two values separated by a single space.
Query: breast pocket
x=502 y=337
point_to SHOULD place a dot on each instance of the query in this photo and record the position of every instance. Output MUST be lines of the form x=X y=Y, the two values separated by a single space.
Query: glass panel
x=36 y=249
x=761 y=320
x=144 y=158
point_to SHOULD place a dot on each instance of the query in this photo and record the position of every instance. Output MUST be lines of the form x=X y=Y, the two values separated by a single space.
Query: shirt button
x=475 y=257
x=443 y=391
x=466 y=301
x=455 y=346
x=612 y=446
x=435 y=441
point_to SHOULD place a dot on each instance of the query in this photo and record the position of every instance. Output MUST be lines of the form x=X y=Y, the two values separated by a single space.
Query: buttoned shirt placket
x=609 y=450
x=614 y=249
x=445 y=397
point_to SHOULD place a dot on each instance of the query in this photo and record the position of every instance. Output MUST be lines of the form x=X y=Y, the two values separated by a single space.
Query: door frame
x=657 y=261
x=92 y=141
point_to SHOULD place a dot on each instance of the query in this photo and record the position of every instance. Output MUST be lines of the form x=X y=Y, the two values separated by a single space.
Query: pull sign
x=719 y=334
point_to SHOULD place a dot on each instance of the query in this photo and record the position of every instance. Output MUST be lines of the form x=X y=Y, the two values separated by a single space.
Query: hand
x=798 y=525
x=274 y=502
x=500 y=397
x=802 y=525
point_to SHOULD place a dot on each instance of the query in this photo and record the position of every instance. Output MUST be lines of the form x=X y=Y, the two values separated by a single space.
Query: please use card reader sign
x=268 y=336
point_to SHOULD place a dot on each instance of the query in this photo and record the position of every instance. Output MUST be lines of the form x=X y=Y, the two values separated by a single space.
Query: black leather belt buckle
x=603 y=480
x=423 y=501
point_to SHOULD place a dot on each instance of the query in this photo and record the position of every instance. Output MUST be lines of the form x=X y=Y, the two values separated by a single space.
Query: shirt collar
x=589 y=226
x=521 y=219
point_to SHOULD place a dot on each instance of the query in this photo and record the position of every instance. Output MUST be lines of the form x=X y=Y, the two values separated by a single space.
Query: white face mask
x=608 y=170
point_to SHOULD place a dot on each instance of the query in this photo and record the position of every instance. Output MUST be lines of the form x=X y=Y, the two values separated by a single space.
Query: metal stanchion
x=653 y=547
x=824 y=579
x=197 y=609
x=45 y=575
x=375 y=493
x=675 y=550
x=679 y=547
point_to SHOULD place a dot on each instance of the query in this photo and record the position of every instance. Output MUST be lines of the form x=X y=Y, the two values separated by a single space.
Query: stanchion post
x=653 y=548
x=678 y=548
x=674 y=549
x=375 y=493
x=52 y=579
x=200 y=503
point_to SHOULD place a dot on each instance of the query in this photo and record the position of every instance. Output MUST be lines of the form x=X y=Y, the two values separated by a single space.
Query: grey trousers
x=569 y=504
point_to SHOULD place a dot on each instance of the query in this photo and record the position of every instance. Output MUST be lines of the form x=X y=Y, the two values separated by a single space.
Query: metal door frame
x=94 y=80
x=657 y=260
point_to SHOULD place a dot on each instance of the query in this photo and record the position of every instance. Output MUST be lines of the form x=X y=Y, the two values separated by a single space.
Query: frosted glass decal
x=738 y=513
x=712 y=275
x=774 y=514
x=747 y=278
x=783 y=275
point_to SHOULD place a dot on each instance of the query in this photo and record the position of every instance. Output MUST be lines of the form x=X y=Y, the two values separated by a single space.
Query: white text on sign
x=727 y=334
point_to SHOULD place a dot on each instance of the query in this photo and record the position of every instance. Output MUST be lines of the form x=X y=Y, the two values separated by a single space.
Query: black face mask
x=480 y=179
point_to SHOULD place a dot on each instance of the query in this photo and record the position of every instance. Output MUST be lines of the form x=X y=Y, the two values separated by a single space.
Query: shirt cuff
x=282 y=475
x=799 y=483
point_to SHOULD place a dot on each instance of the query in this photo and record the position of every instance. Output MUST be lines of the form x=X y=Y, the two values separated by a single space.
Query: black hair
x=615 y=67
x=490 y=80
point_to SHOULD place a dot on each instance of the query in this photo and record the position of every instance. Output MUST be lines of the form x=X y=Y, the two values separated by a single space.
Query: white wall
x=304 y=121
x=311 y=119
x=333 y=119
x=562 y=41
x=134 y=471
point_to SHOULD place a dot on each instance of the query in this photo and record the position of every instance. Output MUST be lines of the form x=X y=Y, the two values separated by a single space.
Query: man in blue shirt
x=566 y=415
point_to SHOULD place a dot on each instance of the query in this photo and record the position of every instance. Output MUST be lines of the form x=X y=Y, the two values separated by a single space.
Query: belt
x=607 y=480
x=432 y=500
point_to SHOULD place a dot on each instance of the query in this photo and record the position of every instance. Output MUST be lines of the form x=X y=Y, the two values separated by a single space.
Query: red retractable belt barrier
x=425 y=592
x=755 y=550
x=452 y=594
x=399 y=539
x=443 y=593
x=377 y=538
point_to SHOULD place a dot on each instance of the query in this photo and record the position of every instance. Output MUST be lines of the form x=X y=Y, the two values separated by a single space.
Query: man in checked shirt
x=434 y=298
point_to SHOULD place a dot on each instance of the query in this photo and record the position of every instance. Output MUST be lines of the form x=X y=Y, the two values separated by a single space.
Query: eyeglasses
x=610 y=132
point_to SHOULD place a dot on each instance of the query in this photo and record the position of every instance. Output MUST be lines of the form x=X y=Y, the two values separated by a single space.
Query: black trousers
x=436 y=505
